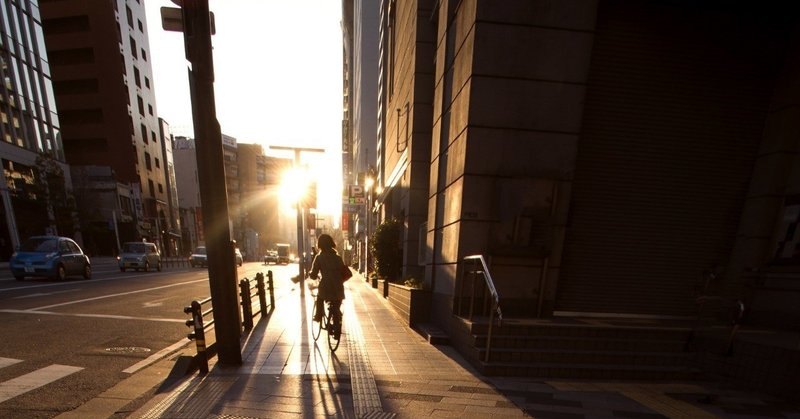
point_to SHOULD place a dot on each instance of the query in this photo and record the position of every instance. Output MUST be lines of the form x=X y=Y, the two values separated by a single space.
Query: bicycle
x=327 y=323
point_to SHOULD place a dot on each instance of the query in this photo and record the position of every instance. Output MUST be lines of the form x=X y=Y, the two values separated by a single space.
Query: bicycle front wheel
x=316 y=326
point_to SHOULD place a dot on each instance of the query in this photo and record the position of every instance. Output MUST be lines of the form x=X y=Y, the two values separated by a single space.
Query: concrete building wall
x=407 y=93
x=364 y=85
x=505 y=127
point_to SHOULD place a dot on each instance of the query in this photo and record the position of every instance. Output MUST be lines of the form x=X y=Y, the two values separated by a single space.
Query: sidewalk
x=383 y=369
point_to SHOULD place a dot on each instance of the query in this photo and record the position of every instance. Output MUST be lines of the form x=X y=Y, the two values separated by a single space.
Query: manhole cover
x=128 y=350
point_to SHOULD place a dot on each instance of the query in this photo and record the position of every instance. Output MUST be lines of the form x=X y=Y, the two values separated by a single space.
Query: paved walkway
x=383 y=369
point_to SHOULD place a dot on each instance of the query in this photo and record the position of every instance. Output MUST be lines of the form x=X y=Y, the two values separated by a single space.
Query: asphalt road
x=63 y=343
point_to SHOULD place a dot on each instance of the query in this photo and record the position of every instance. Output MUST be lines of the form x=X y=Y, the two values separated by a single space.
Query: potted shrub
x=386 y=251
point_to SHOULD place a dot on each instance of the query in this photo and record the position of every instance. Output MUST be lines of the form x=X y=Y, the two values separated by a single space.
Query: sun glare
x=293 y=184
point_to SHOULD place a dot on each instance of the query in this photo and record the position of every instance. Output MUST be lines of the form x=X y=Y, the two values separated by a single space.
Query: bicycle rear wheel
x=316 y=326
x=334 y=332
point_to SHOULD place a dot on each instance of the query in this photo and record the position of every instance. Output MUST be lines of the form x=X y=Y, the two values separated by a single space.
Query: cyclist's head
x=325 y=242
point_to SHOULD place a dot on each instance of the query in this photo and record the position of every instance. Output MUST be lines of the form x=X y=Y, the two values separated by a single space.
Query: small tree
x=386 y=250
x=51 y=186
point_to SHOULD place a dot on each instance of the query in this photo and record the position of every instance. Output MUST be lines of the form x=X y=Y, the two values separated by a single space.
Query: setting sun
x=294 y=183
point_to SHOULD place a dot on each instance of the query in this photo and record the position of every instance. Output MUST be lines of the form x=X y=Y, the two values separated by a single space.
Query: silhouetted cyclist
x=331 y=288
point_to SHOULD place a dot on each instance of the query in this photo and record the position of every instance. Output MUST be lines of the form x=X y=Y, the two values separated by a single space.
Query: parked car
x=49 y=256
x=199 y=257
x=271 y=257
x=238 y=256
x=139 y=256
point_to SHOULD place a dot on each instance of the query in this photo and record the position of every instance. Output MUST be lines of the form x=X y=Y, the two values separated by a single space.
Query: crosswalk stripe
x=4 y=362
x=25 y=383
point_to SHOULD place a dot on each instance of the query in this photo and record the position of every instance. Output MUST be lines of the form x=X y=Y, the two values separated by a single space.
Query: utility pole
x=300 y=217
x=222 y=276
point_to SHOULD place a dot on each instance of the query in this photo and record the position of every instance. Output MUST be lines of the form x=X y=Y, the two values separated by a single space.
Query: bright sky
x=278 y=69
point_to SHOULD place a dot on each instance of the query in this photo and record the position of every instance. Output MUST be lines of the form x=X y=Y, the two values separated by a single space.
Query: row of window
x=26 y=93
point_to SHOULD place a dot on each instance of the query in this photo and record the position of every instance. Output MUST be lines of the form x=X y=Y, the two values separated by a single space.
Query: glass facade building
x=29 y=125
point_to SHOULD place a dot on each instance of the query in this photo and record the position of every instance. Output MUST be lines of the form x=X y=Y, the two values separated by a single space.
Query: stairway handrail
x=487 y=277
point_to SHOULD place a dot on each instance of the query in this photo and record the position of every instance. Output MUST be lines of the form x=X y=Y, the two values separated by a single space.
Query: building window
x=133 y=47
x=129 y=12
x=160 y=188
x=141 y=105
x=158 y=163
x=144 y=54
x=153 y=137
x=147 y=162
x=136 y=77
x=63 y=25
x=81 y=116
x=71 y=56
x=143 y=128
x=152 y=189
x=76 y=87
x=141 y=27
x=146 y=82
x=150 y=109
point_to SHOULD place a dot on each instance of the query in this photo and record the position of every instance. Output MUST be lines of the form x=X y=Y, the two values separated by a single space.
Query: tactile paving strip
x=366 y=400
x=192 y=399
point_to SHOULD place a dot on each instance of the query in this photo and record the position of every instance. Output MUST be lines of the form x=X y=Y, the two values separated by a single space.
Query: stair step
x=433 y=334
x=590 y=371
x=581 y=330
x=578 y=357
x=580 y=343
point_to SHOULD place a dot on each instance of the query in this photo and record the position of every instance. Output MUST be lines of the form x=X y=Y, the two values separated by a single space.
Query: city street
x=66 y=342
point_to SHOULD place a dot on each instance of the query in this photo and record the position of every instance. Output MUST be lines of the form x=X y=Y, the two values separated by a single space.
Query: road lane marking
x=5 y=362
x=156 y=356
x=120 y=294
x=25 y=383
x=86 y=281
x=96 y=316
x=42 y=294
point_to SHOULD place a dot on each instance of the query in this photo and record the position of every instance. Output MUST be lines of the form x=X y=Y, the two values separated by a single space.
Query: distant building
x=252 y=182
x=360 y=120
x=29 y=129
x=188 y=185
x=99 y=54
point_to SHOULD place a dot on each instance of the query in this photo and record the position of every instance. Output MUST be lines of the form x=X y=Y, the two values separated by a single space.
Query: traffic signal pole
x=222 y=274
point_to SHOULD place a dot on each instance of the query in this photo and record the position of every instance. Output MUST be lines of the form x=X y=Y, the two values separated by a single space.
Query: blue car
x=49 y=256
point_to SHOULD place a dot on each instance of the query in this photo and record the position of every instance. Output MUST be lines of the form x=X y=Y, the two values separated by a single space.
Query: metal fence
x=247 y=297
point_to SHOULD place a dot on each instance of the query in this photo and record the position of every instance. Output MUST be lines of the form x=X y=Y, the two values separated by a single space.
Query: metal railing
x=246 y=302
x=199 y=334
x=491 y=301
x=245 y=292
x=175 y=262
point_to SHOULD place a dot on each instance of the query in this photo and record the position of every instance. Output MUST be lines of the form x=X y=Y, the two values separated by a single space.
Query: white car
x=139 y=256
x=199 y=257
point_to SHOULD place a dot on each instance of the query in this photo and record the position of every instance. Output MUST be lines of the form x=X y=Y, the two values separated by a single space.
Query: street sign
x=354 y=201
x=352 y=207
x=172 y=20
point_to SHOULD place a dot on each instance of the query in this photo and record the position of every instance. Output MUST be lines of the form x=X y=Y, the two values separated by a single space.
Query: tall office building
x=29 y=128
x=103 y=85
